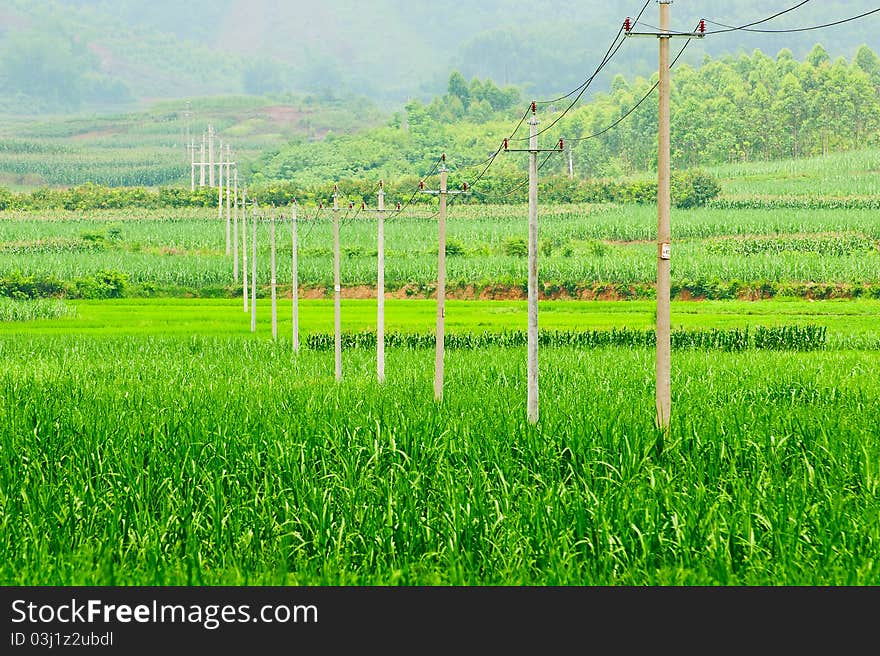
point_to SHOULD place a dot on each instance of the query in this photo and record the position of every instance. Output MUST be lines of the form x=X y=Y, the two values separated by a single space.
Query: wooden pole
x=235 y=227
x=254 y=275
x=440 y=336
x=295 y=281
x=380 y=288
x=337 y=288
x=274 y=279
x=244 y=268
x=663 y=370
x=532 y=369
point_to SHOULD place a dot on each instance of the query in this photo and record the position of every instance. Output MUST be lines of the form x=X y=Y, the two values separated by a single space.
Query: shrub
x=516 y=246
x=693 y=188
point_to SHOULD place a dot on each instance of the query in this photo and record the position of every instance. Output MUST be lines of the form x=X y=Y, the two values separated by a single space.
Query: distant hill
x=69 y=54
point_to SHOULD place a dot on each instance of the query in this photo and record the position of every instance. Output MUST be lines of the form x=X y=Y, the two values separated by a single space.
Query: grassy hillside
x=148 y=148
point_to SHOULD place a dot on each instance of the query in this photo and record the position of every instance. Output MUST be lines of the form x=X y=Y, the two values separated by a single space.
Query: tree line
x=736 y=108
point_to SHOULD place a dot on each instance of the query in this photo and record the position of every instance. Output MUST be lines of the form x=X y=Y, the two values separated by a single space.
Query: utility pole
x=273 y=281
x=228 y=214
x=220 y=194
x=192 y=174
x=440 y=331
x=211 y=156
x=244 y=268
x=380 y=287
x=235 y=227
x=532 y=369
x=663 y=369
x=187 y=113
x=664 y=235
x=295 y=281
x=254 y=275
x=337 y=288
x=532 y=339
x=202 y=163
x=570 y=164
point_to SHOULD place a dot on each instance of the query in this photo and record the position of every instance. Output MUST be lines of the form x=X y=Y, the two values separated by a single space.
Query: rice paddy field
x=149 y=437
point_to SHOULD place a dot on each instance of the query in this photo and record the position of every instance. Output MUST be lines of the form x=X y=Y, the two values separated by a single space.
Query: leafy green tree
x=458 y=87
x=48 y=65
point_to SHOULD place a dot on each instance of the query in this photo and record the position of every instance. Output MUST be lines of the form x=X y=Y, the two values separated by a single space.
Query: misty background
x=75 y=55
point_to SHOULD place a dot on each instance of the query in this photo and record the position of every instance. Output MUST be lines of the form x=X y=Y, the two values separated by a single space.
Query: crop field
x=585 y=251
x=148 y=437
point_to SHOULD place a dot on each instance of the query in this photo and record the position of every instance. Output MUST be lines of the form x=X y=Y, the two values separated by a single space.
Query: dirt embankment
x=597 y=292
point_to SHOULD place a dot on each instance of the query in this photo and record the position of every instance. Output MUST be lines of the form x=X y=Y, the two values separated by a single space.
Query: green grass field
x=849 y=323
x=154 y=439
x=224 y=460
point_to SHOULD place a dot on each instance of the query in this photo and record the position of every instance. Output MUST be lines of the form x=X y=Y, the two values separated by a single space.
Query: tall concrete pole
x=294 y=283
x=235 y=227
x=192 y=175
x=244 y=250
x=337 y=289
x=440 y=339
x=211 y=156
x=220 y=195
x=664 y=236
x=273 y=281
x=380 y=288
x=254 y=275
x=228 y=212
x=202 y=163
x=532 y=346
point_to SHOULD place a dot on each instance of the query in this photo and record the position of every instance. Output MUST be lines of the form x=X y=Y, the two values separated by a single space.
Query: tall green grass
x=211 y=461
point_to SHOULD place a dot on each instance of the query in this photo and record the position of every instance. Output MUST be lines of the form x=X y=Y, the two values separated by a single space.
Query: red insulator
x=464 y=186
x=627 y=24
x=351 y=206
x=506 y=144
x=398 y=207
x=534 y=107
x=702 y=27
x=421 y=184
x=561 y=145
x=443 y=157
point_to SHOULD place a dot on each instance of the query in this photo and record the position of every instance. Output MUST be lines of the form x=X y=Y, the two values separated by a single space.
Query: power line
x=796 y=29
x=589 y=80
x=395 y=213
x=510 y=191
x=758 y=22
x=634 y=107
x=492 y=157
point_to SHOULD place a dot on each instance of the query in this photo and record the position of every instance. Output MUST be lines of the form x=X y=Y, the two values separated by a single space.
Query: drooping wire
x=589 y=80
x=491 y=160
x=634 y=107
x=519 y=186
x=757 y=22
x=396 y=212
x=796 y=29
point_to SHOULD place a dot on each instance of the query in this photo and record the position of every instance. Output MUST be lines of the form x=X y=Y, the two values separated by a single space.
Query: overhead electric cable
x=589 y=80
x=634 y=107
x=795 y=29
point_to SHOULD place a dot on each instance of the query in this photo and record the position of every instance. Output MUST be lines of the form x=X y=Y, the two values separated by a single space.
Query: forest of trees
x=744 y=108
x=388 y=50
